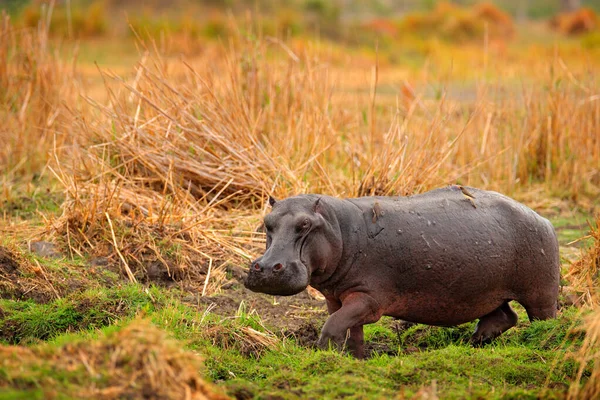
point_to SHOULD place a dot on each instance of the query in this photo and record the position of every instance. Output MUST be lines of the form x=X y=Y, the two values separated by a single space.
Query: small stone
x=99 y=262
x=44 y=249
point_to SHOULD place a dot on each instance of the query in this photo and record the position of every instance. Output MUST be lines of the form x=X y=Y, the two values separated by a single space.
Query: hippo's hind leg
x=541 y=304
x=492 y=325
x=540 y=313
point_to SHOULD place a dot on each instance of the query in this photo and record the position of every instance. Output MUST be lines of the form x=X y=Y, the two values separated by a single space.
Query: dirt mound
x=19 y=280
x=159 y=253
x=140 y=361
x=8 y=264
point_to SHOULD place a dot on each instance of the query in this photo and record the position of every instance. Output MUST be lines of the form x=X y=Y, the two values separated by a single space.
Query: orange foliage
x=581 y=21
x=461 y=23
x=498 y=20
x=382 y=26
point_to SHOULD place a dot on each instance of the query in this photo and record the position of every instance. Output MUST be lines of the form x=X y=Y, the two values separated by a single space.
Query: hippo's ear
x=272 y=201
x=318 y=206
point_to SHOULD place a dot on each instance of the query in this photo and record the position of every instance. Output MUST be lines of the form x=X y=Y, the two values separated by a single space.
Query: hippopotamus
x=445 y=257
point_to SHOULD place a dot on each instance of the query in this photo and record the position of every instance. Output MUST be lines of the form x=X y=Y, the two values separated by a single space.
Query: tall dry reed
x=37 y=88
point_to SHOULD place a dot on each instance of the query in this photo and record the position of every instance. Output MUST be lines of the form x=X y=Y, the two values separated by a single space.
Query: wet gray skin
x=445 y=257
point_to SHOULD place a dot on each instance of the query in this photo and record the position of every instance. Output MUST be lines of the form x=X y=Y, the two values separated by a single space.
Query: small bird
x=467 y=195
x=377 y=211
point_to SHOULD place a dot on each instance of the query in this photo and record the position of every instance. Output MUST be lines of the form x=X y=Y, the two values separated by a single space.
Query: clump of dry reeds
x=137 y=361
x=247 y=340
x=35 y=88
x=584 y=274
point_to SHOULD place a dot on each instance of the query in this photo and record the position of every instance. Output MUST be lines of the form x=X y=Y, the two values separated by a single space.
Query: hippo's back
x=460 y=243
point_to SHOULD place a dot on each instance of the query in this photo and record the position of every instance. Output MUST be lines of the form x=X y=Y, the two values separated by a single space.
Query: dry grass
x=139 y=361
x=36 y=89
x=183 y=153
x=450 y=21
x=247 y=340
x=586 y=384
x=584 y=274
x=584 y=277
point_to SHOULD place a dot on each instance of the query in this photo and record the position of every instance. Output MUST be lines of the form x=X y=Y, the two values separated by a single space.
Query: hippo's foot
x=327 y=341
x=492 y=325
x=353 y=341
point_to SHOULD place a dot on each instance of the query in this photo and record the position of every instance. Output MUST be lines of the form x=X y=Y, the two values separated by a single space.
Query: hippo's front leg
x=355 y=310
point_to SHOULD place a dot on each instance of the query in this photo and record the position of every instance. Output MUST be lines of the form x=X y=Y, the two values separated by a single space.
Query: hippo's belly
x=441 y=310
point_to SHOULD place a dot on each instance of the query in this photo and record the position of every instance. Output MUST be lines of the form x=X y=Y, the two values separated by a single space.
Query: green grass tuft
x=23 y=322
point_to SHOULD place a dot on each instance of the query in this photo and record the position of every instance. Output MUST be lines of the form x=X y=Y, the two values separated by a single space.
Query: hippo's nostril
x=256 y=267
x=277 y=267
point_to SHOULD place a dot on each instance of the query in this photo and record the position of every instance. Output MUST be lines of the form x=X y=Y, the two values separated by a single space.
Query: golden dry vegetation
x=164 y=166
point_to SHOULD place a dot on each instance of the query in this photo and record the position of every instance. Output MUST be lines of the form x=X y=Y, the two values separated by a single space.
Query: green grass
x=571 y=226
x=27 y=321
x=525 y=362
x=522 y=362
x=28 y=200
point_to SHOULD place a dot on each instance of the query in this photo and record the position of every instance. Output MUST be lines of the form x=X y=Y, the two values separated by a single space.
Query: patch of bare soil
x=281 y=313
x=306 y=334
x=300 y=317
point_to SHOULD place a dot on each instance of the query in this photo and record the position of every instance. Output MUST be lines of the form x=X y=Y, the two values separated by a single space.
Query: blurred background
x=350 y=21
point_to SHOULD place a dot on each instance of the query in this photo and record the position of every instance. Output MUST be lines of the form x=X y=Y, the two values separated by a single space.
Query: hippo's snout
x=275 y=268
x=278 y=277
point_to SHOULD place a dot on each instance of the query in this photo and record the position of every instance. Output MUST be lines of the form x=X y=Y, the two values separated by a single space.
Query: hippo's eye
x=304 y=224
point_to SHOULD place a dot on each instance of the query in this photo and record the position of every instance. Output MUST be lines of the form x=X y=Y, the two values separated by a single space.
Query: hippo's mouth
x=300 y=255
x=294 y=279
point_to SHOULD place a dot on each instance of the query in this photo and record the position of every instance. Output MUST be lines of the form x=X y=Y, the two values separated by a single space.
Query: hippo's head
x=303 y=239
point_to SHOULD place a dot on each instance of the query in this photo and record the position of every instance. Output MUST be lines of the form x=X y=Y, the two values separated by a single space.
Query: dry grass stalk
x=248 y=341
x=138 y=361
